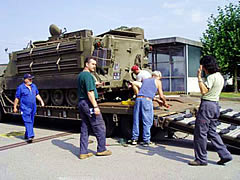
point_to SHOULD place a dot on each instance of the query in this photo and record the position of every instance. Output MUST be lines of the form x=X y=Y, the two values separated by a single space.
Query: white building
x=178 y=60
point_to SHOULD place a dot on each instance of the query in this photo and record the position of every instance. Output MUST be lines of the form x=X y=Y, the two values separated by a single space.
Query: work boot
x=84 y=156
x=223 y=161
x=196 y=163
x=104 y=153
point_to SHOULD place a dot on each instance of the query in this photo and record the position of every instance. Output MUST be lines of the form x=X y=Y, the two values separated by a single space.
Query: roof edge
x=175 y=40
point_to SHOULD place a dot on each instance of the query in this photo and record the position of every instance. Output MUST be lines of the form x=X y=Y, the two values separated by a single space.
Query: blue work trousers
x=91 y=122
x=143 y=110
x=205 y=128
x=28 y=119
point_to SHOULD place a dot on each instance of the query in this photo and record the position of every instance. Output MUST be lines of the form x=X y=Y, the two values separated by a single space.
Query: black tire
x=71 y=97
x=57 y=97
x=158 y=134
x=126 y=125
x=110 y=125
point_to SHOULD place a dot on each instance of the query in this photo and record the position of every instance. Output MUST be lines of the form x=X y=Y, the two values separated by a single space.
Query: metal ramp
x=228 y=125
x=230 y=116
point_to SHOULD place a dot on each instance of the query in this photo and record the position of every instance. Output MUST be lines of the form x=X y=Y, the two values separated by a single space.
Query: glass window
x=164 y=68
x=178 y=84
x=150 y=58
x=165 y=84
x=177 y=58
x=162 y=57
x=194 y=54
x=178 y=69
x=170 y=61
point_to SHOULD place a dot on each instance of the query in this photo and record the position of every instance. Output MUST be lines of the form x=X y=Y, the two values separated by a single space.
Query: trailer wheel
x=126 y=125
x=57 y=97
x=110 y=125
x=158 y=134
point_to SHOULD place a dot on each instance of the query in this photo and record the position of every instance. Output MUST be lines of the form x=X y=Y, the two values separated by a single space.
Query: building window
x=170 y=60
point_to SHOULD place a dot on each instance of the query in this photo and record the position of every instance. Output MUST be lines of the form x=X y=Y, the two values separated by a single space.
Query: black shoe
x=196 y=163
x=29 y=140
x=223 y=161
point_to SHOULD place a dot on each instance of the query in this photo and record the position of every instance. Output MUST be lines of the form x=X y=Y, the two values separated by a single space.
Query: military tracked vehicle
x=56 y=63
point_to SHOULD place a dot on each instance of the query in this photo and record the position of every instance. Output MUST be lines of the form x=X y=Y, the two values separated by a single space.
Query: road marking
x=2 y=148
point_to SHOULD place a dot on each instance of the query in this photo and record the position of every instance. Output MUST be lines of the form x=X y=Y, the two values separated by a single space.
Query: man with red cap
x=140 y=76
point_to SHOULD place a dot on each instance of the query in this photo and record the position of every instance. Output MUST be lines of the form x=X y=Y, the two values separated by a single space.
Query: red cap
x=134 y=68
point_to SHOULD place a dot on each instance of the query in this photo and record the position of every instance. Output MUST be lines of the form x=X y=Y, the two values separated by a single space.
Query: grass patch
x=173 y=93
x=230 y=94
x=222 y=95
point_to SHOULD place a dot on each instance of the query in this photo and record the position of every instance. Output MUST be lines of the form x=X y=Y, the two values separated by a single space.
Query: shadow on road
x=66 y=146
x=188 y=143
x=69 y=146
x=173 y=155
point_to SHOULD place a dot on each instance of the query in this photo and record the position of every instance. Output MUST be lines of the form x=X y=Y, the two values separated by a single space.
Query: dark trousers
x=205 y=128
x=91 y=122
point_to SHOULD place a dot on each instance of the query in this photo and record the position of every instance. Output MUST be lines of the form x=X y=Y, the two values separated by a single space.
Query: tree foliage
x=222 y=39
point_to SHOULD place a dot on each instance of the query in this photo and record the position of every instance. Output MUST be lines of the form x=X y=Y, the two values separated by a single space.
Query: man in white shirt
x=140 y=76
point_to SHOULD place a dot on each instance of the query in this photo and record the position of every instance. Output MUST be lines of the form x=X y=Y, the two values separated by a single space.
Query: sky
x=25 y=20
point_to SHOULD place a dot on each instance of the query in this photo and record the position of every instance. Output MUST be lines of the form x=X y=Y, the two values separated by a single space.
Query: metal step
x=228 y=115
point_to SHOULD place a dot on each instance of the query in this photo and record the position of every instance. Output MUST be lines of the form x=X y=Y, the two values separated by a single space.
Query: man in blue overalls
x=27 y=93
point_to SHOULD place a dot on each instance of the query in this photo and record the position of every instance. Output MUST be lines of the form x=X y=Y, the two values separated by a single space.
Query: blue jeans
x=143 y=110
x=91 y=122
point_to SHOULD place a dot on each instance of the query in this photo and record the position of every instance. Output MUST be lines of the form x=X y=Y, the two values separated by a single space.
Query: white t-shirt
x=143 y=74
x=214 y=84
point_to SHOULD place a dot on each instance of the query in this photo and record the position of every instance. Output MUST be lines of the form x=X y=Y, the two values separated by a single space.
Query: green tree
x=222 y=39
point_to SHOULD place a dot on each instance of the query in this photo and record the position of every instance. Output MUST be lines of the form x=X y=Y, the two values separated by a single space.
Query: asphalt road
x=58 y=158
